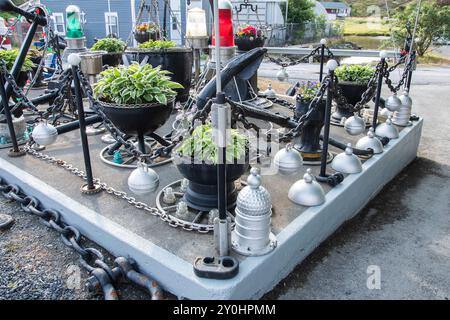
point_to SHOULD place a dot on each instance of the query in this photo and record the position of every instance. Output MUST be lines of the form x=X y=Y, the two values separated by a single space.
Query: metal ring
x=66 y=238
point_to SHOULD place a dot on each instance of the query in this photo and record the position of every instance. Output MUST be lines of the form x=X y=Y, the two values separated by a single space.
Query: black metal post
x=141 y=143
x=21 y=58
x=322 y=60
x=326 y=130
x=91 y=187
x=15 y=151
x=378 y=95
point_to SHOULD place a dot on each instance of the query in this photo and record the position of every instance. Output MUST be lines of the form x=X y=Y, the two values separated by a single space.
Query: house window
x=58 y=23
x=112 y=23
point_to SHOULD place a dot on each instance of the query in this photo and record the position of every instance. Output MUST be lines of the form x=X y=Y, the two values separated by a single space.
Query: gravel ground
x=35 y=264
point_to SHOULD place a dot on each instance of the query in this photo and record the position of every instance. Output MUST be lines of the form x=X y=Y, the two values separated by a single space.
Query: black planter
x=249 y=43
x=309 y=144
x=137 y=120
x=353 y=92
x=112 y=59
x=202 y=191
x=176 y=60
x=142 y=37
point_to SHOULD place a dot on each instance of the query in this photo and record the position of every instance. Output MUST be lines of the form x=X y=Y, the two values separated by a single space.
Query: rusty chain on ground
x=102 y=277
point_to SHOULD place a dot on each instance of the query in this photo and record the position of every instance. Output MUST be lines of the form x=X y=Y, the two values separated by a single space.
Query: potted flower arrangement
x=114 y=48
x=165 y=53
x=353 y=80
x=146 y=31
x=137 y=99
x=249 y=37
x=10 y=56
x=196 y=159
x=310 y=139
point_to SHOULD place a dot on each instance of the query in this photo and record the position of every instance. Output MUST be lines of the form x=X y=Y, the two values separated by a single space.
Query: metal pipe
x=322 y=58
x=74 y=125
x=45 y=97
x=378 y=95
x=82 y=121
x=326 y=130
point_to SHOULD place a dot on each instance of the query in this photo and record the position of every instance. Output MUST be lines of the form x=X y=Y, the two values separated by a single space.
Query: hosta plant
x=355 y=73
x=157 y=44
x=200 y=146
x=110 y=45
x=135 y=84
x=10 y=56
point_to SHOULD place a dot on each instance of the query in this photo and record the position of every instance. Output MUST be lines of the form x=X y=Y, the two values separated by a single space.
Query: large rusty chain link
x=102 y=277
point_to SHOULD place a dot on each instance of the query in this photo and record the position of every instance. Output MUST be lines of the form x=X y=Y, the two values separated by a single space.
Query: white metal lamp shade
x=401 y=117
x=393 y=103
x=44 y=134
x=307 y=192
x=143 y=180
x=355 y=125
x=288 y=160
x=387 y=130
x=370 y=142
x=347 y=162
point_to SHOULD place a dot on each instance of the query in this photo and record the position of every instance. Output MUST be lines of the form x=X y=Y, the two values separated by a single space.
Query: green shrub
x=201 y=146
x=157 y=44
x=110 y=45
x=10 y=56
x=355 y=73
x=135 y=84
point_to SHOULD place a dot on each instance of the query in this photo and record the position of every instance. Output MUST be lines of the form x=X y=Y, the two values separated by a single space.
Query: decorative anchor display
x=355 y=125
x=252 y=235
x=143 y=180
x=307 y=192
x=288 y=160
x=347 y=162
x=387 y=129
x=370 y=142
x=402 y=116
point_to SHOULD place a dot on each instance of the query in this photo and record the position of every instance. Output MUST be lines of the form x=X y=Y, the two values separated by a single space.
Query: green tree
x=434 y=23
x=299 y=11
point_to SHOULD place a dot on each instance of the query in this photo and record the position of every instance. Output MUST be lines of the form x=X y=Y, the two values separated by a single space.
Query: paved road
x=404 y=231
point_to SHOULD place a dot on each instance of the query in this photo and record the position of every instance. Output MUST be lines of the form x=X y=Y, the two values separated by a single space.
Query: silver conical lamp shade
x=347 y=162
x=393 y=103
x=288 y=160
x=307 y=192
x=370 y=142
x=387 y=130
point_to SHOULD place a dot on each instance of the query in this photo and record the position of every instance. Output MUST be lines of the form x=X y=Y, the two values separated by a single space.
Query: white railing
x=336 y=52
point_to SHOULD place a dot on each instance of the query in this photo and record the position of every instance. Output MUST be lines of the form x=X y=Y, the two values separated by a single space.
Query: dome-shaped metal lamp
x=385 y=112
x=270 y=93
x=355 y=125
x=282 y=75
x=401 y=117
x=307 y=192
x=347 y=162
x=393 y=103
x=288 y=160
x=370 y=142
x=387 y=129
x=252 y=234
x=44 y=134
x=143 y=180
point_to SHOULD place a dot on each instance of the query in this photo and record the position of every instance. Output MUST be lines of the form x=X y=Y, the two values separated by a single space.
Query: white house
x=337 y=9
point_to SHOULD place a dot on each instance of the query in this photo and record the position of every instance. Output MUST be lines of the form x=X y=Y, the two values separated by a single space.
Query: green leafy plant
x=10 y=56
x=135 y=84
x=308 y=90
x=200 y=145
x=355 y=73
x=110 y=45
x=157 y=44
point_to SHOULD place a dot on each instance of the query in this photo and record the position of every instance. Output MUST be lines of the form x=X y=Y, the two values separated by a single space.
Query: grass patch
x=368 y=26
x=432 y=58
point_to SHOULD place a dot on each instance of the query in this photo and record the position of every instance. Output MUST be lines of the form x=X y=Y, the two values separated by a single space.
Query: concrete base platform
x=166 y=254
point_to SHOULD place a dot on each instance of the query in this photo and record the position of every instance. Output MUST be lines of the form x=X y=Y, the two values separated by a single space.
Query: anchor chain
x=291 y=61
x=408 y=68
x=102 y=277
x=172 y=221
